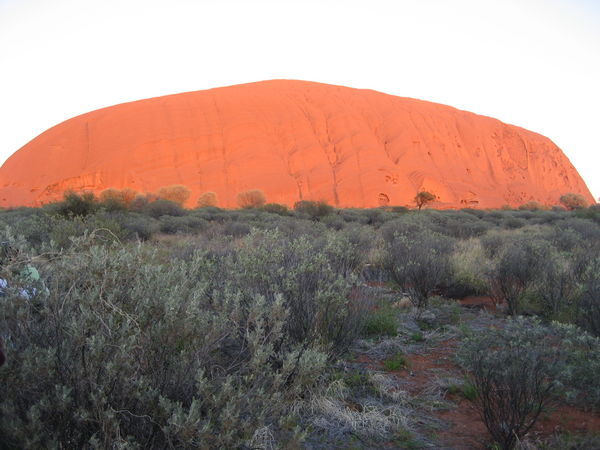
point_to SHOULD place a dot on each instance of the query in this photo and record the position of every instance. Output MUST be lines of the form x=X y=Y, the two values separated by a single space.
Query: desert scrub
x=515 y=372
x=419 y=263
x=129 y=348
x=579 y=374
x=313 y=279
x=518 y=267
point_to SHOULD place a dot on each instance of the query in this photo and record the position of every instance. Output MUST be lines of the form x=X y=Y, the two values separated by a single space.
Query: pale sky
x=532 y=63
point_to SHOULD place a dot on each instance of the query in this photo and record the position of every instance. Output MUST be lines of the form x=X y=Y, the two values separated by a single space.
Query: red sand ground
x=294 y=140
x=466 y=430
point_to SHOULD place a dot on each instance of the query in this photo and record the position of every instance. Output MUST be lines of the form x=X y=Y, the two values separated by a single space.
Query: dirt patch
x=566 y=418
x=467 y=430
x=430 y=367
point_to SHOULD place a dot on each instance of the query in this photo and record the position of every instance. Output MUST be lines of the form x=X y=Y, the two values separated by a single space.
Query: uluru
x=294 y=140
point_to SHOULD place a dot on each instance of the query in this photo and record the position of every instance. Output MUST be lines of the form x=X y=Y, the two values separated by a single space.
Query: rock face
x=293 y=140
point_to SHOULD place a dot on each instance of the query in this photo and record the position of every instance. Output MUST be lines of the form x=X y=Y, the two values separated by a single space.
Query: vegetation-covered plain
x=154 y=326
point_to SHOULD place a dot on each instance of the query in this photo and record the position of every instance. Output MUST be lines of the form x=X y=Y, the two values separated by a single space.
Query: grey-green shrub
x=419 y=263
x=589 y=301
x=132 y=348
x=312 y=279
x=517 y=268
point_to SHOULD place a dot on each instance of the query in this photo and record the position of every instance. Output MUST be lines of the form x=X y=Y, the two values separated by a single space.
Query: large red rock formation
x=293 y=140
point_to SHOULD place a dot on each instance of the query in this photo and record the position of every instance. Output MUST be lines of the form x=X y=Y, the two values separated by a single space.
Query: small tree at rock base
x=121 y=197
x=422 y=198
x=208 y=199
x=573 y=201
x=77 y=204
x=254 y=198
x=176 y=193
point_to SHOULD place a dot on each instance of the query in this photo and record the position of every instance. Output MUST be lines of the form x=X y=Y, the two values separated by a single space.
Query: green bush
x=312 y=209
x=396 y=362
x=417 y=337
x=382 y=322
x=162 y=207
x=75 y=205
x=276 y=208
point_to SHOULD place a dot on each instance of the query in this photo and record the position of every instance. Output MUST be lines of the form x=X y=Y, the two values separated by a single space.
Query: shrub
x=532 y=206
x=137 y=226
x=573 y=201
x=251 y=199
x=513 y=223
x=374 y=216
x=208 y=199
x=236 y=229
x=141 y=201
x=35 y=228
x=114 y=199
x=176 y=193
x=129 y=349
x=514 y=370
x=172 y=225
x=276 y=208
x=468 y=278
x=592 y=213
x=163 y=207
x=314 y=210
x=556 y=289
x=347 y=251
x=419 y=263
x=516 y=269
x=76 y=205
x=589 y=303
x=396 y=362
x=334 y=222
x=458 y=224
x=579 y=375
x=408 y=224
x=315 y=294
x=585 y=233
x=417 y=337
x=422 y=198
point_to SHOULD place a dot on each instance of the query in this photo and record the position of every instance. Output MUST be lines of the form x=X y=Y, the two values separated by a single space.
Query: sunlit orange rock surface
x=293 y=140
